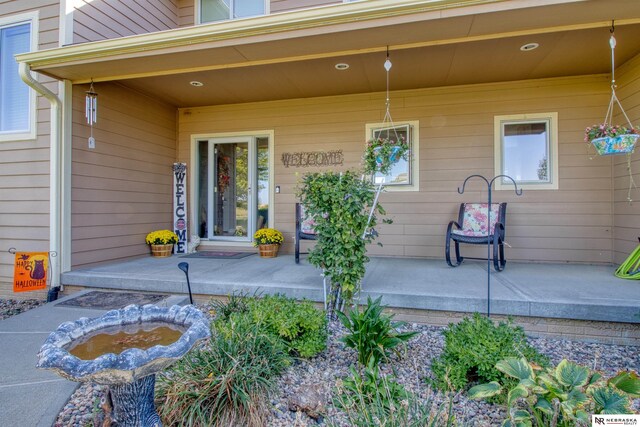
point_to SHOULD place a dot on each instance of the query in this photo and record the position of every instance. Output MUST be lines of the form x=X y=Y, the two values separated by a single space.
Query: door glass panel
x=203 y=188
x=263 y=183
x=231 y=189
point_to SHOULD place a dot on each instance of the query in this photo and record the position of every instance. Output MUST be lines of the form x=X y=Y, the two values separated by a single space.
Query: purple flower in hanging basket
x=607 y=130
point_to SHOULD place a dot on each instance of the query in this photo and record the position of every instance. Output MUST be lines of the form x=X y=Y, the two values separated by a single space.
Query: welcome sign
x=180 y=206
x=30 y=271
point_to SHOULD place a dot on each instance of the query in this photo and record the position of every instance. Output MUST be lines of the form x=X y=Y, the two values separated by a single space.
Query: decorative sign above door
x=303 y=159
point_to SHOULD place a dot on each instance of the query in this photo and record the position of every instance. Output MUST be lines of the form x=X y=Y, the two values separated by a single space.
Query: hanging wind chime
x=91 y=112
x=607 y=138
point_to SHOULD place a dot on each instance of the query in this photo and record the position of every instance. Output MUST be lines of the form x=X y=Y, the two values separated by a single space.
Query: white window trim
x=198 y=13
x=414 y=157
x=23 y=18
x=553 y=150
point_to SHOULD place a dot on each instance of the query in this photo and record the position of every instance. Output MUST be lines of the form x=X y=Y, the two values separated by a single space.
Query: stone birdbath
x=124 y=349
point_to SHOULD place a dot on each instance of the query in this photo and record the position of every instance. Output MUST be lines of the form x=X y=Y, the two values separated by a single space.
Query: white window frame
x=552 y=150
x=198 y=9
x=414 y=157
x=10 y=21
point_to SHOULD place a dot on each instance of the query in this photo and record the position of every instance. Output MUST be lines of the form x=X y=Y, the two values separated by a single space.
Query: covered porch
x=457 y=67
x=576 y=301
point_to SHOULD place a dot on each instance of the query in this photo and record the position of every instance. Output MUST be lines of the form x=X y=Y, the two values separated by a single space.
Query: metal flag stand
x=489 y=185
x=52 y=293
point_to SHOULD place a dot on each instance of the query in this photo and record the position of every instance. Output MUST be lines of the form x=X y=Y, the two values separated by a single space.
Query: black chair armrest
x=450 y=226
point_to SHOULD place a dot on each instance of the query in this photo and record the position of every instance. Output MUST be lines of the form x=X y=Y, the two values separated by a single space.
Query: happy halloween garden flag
x=30 y=271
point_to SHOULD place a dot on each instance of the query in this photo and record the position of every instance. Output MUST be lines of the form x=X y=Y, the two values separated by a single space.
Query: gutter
x=55 y=175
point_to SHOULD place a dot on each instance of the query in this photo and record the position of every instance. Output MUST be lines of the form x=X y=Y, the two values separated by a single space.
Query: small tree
x=340 y=204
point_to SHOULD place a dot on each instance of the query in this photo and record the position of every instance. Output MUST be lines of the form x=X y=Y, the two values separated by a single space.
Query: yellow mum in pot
x=162 y=237
x=267 y=236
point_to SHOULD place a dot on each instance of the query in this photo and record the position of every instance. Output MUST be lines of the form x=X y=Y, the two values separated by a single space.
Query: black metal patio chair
x=471 y=228
x=304 y=229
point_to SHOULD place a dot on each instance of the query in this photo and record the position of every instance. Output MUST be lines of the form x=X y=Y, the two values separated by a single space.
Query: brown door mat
x=111 y=300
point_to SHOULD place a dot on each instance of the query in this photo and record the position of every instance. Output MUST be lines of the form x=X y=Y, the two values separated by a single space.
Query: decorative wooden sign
x=303 y=159
x=180 y=206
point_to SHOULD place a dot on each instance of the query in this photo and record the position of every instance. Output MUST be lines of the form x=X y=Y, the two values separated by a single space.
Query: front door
x=232 y=188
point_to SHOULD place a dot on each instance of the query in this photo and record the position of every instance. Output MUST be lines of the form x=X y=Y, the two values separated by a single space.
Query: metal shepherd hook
x=489 y=185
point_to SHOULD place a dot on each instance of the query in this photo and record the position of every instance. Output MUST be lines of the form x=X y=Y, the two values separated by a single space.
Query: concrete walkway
x=31 y=396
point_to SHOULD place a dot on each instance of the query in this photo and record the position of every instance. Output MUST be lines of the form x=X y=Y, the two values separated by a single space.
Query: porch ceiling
x=293 y=55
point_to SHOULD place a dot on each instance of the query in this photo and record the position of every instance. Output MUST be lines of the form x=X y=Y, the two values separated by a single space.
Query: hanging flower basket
x=609 y=145
x=611 y=139
x=382 y=153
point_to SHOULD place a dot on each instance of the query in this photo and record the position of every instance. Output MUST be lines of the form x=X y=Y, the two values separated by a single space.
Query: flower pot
x=610 y=145
x=268 y=251
x=161 y=251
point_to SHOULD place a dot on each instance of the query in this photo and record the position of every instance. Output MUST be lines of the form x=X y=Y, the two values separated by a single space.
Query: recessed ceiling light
x=342 y=66
x=196 y=83
x=529 y=46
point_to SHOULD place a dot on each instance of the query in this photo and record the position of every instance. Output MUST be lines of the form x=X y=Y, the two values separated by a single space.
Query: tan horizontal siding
x=121 y=190
x=186 y=13
x=106 y=19
x=627 y=214
x=24 y=165
x=574 y=223
x=288 y=5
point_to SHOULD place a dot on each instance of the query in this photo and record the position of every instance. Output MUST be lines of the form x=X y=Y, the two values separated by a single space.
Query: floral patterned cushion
x=475 y=219
x=307 y=223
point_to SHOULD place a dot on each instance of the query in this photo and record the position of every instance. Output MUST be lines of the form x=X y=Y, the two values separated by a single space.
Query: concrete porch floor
x=562 y=291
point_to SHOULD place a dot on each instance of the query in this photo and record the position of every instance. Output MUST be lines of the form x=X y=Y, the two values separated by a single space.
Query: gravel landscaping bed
x=320 y=374
x=11 y=307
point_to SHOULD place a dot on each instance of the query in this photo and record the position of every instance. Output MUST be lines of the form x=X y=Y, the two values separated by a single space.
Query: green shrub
x=472 y=349
x=301 y=326
x=370 y=399
x=372 y=334
x=225 y=383
x=563 y=396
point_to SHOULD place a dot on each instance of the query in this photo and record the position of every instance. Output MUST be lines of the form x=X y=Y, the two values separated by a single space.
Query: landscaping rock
x=309 y=400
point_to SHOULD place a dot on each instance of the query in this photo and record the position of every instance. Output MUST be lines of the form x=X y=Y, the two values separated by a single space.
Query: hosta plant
x=563 y=396
x=372 y=334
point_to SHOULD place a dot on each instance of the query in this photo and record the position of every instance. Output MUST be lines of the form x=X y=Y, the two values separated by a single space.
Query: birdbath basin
x=124 y=349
